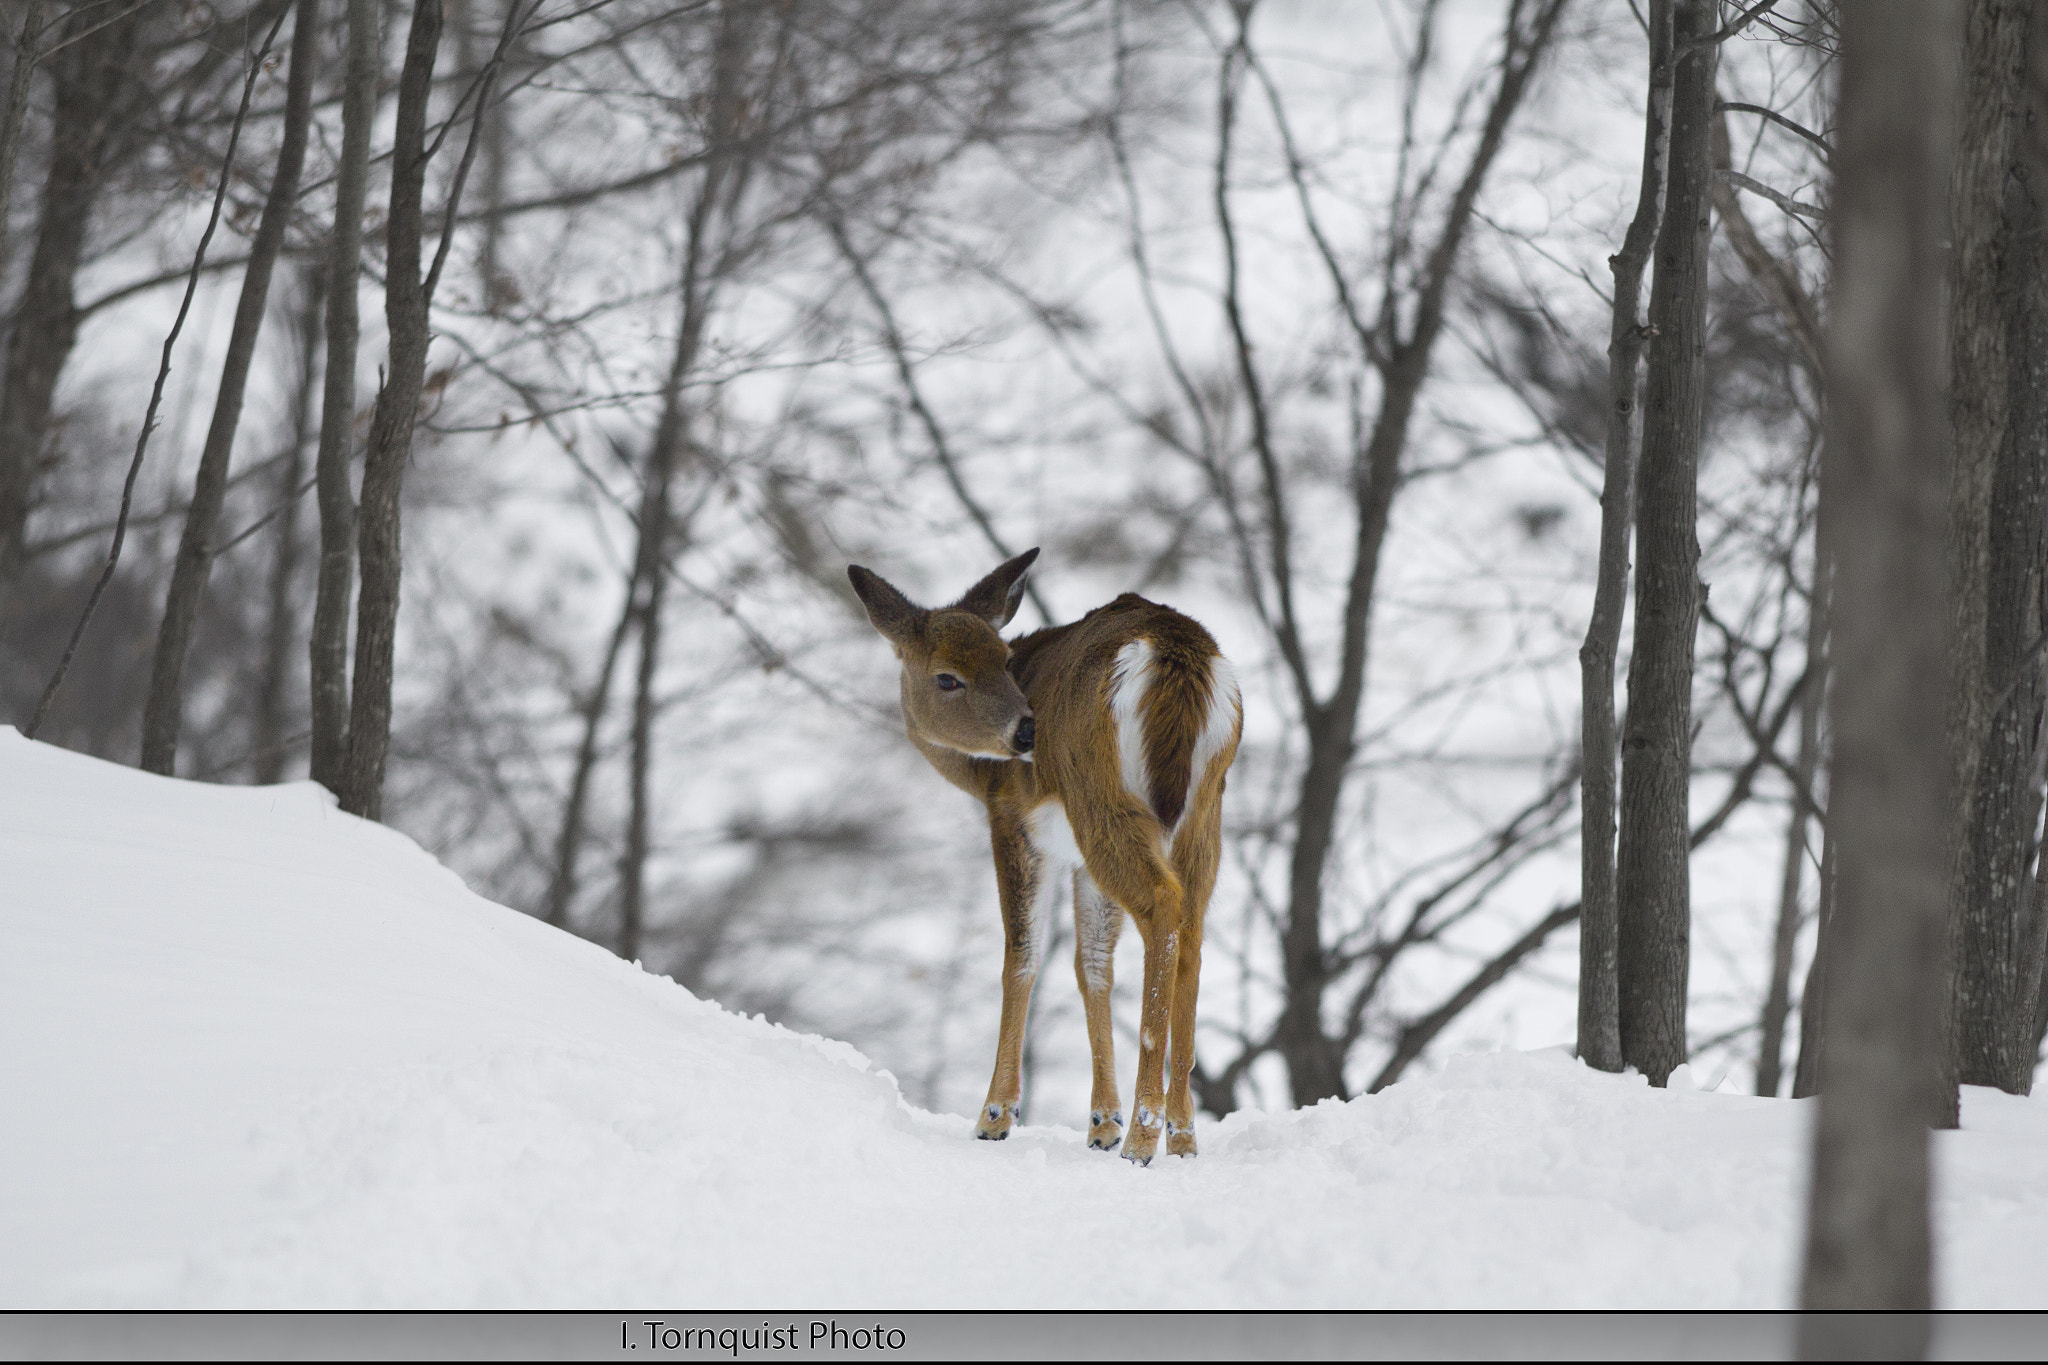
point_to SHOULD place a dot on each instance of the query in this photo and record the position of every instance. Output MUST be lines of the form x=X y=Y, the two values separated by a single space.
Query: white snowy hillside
x=258 y=1053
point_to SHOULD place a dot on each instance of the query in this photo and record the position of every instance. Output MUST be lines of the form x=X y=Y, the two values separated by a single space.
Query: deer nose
x=1026 y=734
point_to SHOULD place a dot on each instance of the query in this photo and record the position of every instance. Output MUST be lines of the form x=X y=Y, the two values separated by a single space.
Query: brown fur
x=1136 y=860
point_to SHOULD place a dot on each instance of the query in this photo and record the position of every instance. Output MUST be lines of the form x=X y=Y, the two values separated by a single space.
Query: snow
x=258 y=1053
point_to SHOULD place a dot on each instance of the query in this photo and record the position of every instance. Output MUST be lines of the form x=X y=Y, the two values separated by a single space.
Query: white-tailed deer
x=1099 y=747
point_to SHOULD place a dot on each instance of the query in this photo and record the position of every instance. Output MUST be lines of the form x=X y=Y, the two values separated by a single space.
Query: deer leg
x=1097 y=923
x=1195 y=855
x=1161 y=930
x=1123 y=849
x=1022 y=891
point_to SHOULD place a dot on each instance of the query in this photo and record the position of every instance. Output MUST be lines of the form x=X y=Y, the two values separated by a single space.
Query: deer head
x=957 y=690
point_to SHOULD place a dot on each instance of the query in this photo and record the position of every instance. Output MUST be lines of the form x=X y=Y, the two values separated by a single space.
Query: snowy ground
x=258 y=1053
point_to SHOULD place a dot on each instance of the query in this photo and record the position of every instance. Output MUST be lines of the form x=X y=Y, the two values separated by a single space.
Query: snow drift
x=260 y=1053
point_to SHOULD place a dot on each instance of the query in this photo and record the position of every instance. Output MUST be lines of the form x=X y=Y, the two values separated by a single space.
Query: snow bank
x=260 y=1053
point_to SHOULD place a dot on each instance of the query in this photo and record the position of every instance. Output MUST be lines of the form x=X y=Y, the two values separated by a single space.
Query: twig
x=1775 y=117
x=1783 y=201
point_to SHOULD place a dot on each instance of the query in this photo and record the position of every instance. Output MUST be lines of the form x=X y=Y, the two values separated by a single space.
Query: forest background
x=1295 y=317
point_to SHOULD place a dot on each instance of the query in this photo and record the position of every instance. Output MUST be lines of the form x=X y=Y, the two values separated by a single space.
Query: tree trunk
x=1599 y=984
x=95 y=80
x=1996 y=977
x=268 y=742
x=391 y=429
x=327 y=647
x=569 y=844
x=1777 y=1011
x=1813 y=1000
x=647 y=613
x=1992 y=52
x=163 y=710
x=1884 y=480
x=1770 y=1056
x=1654 y=895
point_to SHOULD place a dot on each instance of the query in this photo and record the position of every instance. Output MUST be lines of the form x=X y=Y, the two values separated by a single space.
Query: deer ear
x=889 y=611
x=995 y=599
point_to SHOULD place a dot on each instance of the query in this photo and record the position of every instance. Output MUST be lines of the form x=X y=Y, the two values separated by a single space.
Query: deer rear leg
x=1180 y=1064
x=1161 y=931
x=1122 y=844
x=1195 y=855
x=1097 y=923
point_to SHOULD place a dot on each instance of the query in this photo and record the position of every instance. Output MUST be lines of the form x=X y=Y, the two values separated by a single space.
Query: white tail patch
x=1225 y=705
x=1128 y=682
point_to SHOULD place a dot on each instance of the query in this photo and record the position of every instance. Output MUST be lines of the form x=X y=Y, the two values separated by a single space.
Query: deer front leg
x=1020 y=890
x=1097 y=923
x=1006 y=1088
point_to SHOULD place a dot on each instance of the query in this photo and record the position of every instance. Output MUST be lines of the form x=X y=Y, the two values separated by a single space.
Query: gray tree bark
x=1997 y=966
x=1885 y=481
x=391 y=429
x=327 y=646
x=1991 y=56
x=1599 y=963
x=1653 y=881
x=163 y=709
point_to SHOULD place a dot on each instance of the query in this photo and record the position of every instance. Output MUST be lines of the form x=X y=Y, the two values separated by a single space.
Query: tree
x=165 y=706
x=327 y=644
x=408 y=299
x=1885 y=482
x=1599 y=1040
x=1653 y=881
x=1996 y=930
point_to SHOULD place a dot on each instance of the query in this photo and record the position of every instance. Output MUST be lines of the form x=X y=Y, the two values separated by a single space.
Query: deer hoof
x=995 y=1121
x=1180 y=1138
x=1105 y=1131
x=1143 y=1139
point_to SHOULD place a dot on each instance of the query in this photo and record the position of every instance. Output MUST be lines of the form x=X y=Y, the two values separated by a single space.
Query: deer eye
x=948 y=683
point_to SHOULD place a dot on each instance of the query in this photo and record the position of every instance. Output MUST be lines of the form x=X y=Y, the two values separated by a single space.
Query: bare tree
x=1793 y=306
x=327 y=645
x=391 y=430
x=408 y=297
x=1991 y=58
x=1653 y=882
x=165 y=706
x=1599 y=982
x=1997 y=934
x=1885 y=482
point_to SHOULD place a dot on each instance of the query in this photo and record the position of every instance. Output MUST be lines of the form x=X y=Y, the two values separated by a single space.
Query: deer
x=1099 y=749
